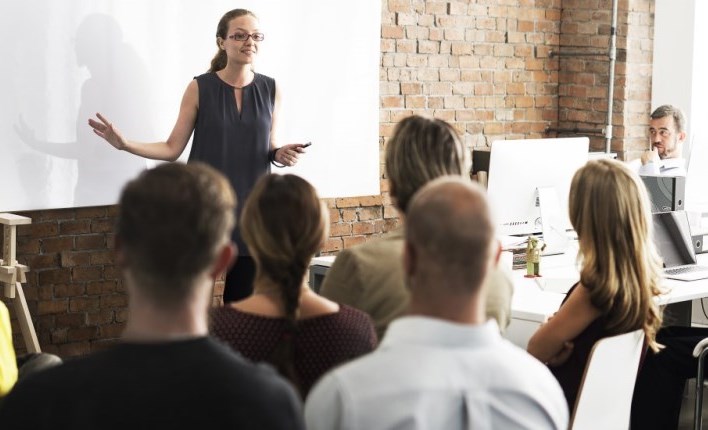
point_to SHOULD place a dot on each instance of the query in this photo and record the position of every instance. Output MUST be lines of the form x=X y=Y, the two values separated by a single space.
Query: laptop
x=672 y=236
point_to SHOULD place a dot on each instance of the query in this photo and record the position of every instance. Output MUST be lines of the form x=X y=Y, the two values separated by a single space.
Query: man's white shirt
x=434 y=374
x=665 y=167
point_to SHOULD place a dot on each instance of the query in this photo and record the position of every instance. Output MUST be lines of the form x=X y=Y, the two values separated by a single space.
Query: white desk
x=318 y=269
x=531 y=306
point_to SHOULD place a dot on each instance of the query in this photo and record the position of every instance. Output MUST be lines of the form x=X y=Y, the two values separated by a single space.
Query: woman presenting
x=232 y=112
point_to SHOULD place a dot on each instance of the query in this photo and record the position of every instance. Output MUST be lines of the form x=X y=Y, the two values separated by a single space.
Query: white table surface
x=325 y=260
x=531 y=305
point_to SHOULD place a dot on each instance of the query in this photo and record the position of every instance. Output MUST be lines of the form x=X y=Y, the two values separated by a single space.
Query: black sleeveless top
x=235 y=143
x=570 y=373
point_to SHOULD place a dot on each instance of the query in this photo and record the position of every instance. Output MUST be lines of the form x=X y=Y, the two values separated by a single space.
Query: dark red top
x=320 y=344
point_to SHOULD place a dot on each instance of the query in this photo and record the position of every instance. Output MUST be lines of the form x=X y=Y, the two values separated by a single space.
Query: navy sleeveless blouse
x=235 y=143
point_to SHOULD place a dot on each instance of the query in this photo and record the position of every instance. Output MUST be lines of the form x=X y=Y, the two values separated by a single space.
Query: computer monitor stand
x=552 y=221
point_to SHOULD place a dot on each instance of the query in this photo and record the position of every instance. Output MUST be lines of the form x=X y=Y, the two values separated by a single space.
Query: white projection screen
x=131 y=60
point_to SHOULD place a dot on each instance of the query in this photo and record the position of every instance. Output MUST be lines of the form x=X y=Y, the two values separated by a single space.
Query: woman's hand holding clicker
x=289 y=154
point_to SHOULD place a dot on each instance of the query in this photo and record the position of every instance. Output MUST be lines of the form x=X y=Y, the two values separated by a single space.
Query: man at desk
x=667 y=133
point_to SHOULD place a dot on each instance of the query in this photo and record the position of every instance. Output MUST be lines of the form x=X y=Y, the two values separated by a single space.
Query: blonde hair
x=609 y=209
x=284 y=224
x=420 y=150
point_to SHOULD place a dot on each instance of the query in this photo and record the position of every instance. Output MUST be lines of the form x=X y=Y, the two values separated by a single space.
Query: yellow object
x=8 y=362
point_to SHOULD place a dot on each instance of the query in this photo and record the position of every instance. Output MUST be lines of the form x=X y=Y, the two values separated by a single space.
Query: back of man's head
x=172 y=222
x=420 y=150
x=450 y=230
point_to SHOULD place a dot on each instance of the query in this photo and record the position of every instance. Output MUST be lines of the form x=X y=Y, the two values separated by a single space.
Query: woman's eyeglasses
x=242 y=37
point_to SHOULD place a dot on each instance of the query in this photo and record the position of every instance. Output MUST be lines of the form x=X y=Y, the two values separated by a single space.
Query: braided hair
x=284 y=225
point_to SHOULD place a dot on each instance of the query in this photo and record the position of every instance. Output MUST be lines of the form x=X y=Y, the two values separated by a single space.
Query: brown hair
x=620 y=267
x=219 y=60
x=172 y=221
x=421 y=149
x=674 y=112
x=284 y=225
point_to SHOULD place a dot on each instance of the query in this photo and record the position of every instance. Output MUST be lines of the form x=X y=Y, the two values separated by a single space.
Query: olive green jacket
x=369 y=277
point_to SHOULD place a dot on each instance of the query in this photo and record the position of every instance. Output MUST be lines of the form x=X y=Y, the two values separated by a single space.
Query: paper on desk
x=512 y=242
x=558 y=280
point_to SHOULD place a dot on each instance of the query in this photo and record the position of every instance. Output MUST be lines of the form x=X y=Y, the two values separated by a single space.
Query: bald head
x=450 y=234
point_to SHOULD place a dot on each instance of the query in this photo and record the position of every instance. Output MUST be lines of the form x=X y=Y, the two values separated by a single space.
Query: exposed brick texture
x=490 y=67
x=584 y=79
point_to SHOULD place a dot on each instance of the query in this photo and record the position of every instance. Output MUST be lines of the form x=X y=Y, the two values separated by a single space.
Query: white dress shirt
x=433 y=374
x=665 y=167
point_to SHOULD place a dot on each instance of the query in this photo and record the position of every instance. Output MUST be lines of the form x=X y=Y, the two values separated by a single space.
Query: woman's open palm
x=107 y=131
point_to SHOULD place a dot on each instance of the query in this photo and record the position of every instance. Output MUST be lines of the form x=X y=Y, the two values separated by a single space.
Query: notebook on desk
x=672 y=236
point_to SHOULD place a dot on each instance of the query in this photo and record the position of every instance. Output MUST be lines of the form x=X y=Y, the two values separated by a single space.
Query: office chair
x=700 y=351
x=605 y=396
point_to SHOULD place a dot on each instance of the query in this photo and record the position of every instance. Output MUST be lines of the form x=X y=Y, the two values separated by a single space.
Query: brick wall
x=584 y=71
x=73 y=290
x=484 y=66
x=637 y=96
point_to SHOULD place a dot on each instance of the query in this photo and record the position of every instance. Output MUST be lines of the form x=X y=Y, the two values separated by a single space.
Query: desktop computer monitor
x=518 y=168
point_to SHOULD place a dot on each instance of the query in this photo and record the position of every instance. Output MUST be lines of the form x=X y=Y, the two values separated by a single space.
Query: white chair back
x=605 y=395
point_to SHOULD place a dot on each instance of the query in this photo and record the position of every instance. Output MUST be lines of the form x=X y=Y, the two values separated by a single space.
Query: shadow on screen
x=118 y=86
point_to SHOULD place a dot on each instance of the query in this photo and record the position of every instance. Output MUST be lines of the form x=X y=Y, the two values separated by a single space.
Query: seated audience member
x=620 y=276
x=8 y=363
x=667 y=134
x=443 y=365
x=172 y=241
x=34 y=362
x=619 y=273
x=284 y=322
x=14 y=369
x=370 y=276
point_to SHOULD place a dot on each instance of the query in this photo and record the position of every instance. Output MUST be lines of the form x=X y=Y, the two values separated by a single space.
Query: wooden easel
x=12 y=275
